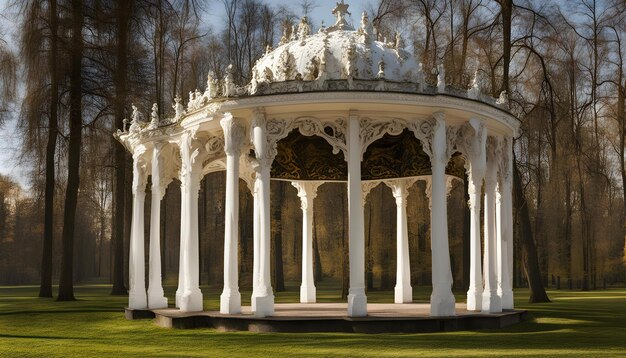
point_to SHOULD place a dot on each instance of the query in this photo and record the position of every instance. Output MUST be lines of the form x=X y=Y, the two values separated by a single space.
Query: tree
x=531 y=264
x=66 y=282
x=45 y=287
x=8 y=67
x=277 y=234
x=122 y=17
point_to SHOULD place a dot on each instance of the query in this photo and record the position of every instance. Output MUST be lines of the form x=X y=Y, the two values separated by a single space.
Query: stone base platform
x=331 y=317
x=131 y=314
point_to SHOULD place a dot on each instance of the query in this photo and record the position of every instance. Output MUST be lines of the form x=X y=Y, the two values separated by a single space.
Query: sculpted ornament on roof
x=336 y=58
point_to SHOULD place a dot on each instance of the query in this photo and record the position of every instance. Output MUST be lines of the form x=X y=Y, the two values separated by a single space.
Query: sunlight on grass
x=555 y=320
x=575 y=324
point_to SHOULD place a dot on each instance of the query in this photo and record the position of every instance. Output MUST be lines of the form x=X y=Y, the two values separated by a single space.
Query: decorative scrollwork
x=452 y=133
x=366 y=187
x=141 y=165
x=165 y=164
x=214 y=149
x=504 y=160
x=423 y=130
x=278 y=128
x=374 y=129
x=193 y=155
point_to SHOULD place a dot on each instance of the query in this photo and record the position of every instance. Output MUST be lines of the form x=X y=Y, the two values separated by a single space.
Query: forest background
x=69 y=71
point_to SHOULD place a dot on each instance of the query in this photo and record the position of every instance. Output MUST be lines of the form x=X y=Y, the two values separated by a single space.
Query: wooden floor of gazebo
x=331 y=317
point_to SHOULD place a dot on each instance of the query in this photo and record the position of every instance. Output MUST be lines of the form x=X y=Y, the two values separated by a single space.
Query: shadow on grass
x=575 y=323
x=3 y=335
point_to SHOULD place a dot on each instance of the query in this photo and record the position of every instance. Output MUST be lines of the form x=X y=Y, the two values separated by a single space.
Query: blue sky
x=10 y=141
x=321 y=12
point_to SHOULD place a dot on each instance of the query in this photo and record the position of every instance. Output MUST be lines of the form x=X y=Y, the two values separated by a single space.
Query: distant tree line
x=82 y=62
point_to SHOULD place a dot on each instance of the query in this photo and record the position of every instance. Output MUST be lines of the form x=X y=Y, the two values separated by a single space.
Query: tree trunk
x=279 y=277
x=121 y=94
x=506 y=7
x=317 y=261
x=345 y=279
x=621 y=120
x=45 y=287
x=369 y=264
x=66 y=285
x=531 y=263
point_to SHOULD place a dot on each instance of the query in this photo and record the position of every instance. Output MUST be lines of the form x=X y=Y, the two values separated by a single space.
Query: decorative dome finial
x=340 y=11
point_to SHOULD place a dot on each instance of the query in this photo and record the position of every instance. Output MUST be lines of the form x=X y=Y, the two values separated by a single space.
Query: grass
x=574 y=324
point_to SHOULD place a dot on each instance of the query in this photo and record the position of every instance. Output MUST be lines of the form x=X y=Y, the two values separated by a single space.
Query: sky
x=322 y=11
x=10 y=141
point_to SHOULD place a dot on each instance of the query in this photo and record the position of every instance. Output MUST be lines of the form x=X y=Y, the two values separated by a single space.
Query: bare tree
x=66 y=282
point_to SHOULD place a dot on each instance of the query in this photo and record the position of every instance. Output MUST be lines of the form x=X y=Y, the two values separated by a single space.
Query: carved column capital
x=505 y=163
x=307 y=191
x=165 y=164
x=400 y=188
x=438 y=141
x=192 y=153
x=234 y=134
x=265 y=134
x=492 y=157
x=141 y=167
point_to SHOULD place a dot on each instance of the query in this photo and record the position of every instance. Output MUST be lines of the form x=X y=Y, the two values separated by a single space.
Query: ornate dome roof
x=337 y=57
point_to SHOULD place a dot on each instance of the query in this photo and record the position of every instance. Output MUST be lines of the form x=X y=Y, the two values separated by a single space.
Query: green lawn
x=575 y=324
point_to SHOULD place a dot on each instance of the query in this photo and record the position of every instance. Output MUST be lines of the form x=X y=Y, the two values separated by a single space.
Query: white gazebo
x=324 y=107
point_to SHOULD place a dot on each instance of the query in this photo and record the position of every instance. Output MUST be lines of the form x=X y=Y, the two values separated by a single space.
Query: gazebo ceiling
x=393 y=156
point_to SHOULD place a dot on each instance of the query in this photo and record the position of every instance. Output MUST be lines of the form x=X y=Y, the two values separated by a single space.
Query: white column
x=191 y=298
x=403 y=292
x=477 y=162
x=264 y=301
x=137 y=294
x=156 y=297
x=442 y=302
x=230 y=300
x=357 y=301
x=307 y=191
x=490 y=300
x=505 y=225
x=256 y=228
x=182 y=245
